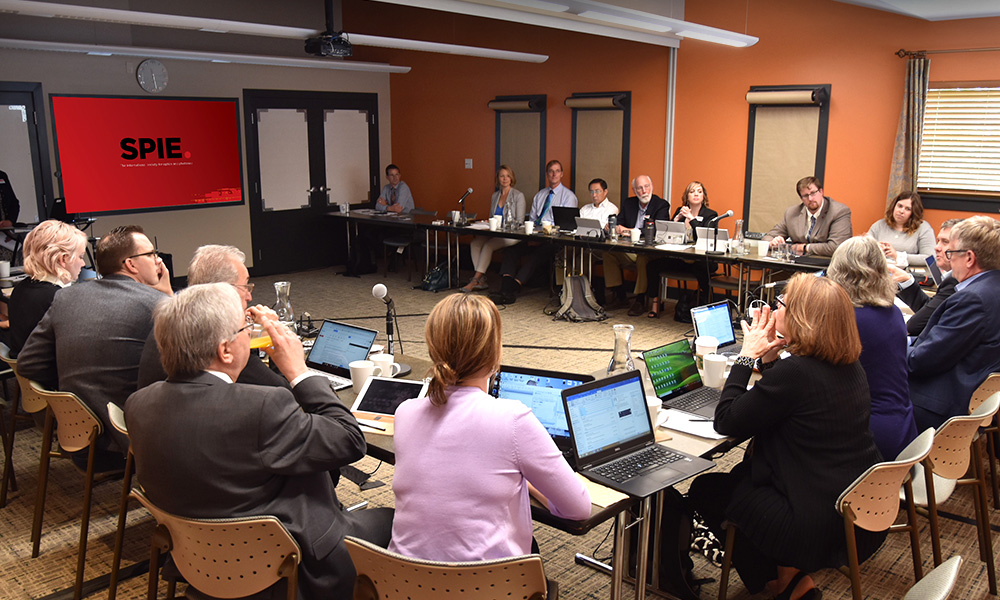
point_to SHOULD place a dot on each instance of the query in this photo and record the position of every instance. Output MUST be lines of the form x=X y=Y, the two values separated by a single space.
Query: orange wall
x=439 y=112
x=814 y=42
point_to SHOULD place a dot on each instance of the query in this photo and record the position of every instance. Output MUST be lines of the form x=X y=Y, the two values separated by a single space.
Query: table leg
x=642 y=560
x=618 y=558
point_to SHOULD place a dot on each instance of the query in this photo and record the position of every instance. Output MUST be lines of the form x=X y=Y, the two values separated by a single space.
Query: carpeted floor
x=530 y=339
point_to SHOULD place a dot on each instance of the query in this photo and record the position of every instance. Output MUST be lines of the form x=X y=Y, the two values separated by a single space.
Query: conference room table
x=380 y=446
x=434 y=227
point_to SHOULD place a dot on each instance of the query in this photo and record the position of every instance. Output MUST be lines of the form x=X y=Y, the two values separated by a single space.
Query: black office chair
x=404 y=244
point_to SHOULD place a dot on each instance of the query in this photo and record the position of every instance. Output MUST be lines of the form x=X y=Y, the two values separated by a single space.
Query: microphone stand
x=715 y=239
x=390 y=310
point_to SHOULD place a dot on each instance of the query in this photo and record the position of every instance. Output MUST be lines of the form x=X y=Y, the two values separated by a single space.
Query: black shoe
x=499 y=298
x=616 y=303
x=638 y=306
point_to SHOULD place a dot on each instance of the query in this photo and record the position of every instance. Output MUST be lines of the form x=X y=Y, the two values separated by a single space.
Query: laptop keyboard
x=692 y=401
x=339 y=383
x=641 y=462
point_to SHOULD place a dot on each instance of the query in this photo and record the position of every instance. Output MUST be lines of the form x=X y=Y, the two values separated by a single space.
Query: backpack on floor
x=578 y=302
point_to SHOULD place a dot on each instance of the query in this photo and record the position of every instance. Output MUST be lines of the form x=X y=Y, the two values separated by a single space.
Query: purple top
x=461 y=478
x=883 y=356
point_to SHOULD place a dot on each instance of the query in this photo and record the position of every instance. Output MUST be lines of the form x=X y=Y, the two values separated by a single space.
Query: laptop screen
x=565 y=217
x=607 y=414
x=541 y=391
x=672 y=369
x=714 y=320
x=338 y=344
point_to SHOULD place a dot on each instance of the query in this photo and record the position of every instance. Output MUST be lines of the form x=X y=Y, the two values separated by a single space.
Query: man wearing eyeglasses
x=923 y=306
x=816 y=226
x=960 y=346
x=214 y=263
x=90 y=340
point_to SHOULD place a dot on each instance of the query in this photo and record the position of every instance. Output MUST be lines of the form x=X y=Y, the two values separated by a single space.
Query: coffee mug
x=384 y=363
x=704 y=345
x=529 y=227
x=715 y=370
x=361 y=370
x=494 y=223
x=636 y=234
x=654 y=404
x=4 y=268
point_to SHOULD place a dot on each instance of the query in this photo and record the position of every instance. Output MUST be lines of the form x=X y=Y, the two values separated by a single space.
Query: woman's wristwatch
x=746 y=361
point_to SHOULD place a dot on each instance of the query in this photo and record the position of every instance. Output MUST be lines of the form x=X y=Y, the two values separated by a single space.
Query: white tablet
x=380 y=397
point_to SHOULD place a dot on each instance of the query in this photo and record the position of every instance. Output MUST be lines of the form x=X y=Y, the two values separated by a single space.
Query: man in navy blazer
x=923 y=306
x=960 y=346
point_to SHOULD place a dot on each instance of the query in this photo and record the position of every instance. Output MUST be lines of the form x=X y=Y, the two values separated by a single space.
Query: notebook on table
x=716 y=320
x=677 y=382
x=613 y=440
x=541 y=391
x=336 y=346
x=565 y=218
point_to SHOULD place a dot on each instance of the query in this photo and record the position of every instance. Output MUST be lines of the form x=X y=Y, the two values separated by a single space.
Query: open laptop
x=705 y=238
x=565 y=218
x=716 y=320
x=541 y=391
x=589 y=229
x=670 y=232
x=677 y=382
x=934 y=270
x=613 y=440
x=336 y=345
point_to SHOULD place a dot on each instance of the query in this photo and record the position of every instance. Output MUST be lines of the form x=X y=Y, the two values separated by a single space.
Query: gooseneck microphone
x=379 y=291
x=464 y=196
x=715 y=233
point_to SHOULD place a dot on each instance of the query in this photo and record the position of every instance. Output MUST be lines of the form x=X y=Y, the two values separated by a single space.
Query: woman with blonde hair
x=808 y=417
x=904 y=230
x=483 y=247
x=860 y=267
x=53 y=256
x=466 y=461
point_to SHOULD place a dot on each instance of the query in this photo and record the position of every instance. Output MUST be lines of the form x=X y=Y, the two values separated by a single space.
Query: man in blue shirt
x=395 y=196
x=553 y=194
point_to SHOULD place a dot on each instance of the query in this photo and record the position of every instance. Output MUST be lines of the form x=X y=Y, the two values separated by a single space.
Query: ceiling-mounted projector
x=329 y=44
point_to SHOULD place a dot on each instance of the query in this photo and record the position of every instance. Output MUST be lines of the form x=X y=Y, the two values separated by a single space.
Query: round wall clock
x=152 y=76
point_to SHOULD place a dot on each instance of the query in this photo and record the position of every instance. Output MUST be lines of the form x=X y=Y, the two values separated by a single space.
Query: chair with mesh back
x=77 y=428
x=224 y=558
x=30 y=402
x=990 y=431
x=385 y=574
x=955 y=450
x=404 y=243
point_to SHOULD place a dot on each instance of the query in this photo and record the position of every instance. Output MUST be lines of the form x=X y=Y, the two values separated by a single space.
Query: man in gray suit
x=90 y=340
x=206 y=447
x=817 y=226
x=215 y=264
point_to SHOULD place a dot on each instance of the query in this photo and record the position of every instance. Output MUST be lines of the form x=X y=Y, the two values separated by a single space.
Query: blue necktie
x=545 y=209
x=812 y=225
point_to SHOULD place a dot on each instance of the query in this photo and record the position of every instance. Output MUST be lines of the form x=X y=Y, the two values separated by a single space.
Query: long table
x=380 y=446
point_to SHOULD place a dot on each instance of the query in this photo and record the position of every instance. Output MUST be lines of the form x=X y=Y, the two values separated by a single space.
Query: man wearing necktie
x=395 y=196
x=553 y=194
x=816 y=226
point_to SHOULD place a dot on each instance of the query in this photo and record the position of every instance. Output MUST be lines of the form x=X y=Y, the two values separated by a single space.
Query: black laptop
x=677 y=382
x=565 y=218
x=613 y=440
x=336 y=346
x=539 y=390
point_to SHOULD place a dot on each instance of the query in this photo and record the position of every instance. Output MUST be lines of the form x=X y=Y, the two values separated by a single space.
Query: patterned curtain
x=906 y=154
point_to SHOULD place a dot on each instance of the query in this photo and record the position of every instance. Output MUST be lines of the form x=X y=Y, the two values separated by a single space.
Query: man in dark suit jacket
x=206 y=447
x=214 y=264
x=90 y=340
x=960 y=346
x=923 y=306
x=816 y=226
x=633 y=211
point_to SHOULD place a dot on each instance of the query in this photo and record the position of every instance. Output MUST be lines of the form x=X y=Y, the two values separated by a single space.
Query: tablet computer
x=380 y=397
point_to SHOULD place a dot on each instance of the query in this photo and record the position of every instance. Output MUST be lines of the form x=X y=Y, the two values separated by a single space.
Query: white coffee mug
x=715 y=370
x=704 y=345
x=4 y=268
x=654 y=404
x=762 y=247
x=529 y=227
x=361 y=370
x=494 y=223
x=385 y=364
x=454 y=216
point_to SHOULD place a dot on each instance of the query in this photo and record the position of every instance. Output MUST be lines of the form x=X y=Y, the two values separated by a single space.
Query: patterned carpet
x=530 y=339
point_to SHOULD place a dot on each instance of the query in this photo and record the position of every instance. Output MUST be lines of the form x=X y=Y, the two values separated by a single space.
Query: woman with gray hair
x=860 y=267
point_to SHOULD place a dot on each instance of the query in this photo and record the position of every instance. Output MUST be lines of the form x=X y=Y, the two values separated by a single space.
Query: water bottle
x=739 y=249
x=613 y=227
x=508 y=217
x=649 y=231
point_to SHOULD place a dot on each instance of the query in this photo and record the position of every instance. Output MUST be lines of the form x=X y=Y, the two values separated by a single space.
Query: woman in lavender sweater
x=466 y=461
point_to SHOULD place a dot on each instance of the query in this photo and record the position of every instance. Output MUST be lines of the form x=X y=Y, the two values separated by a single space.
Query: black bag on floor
x=675 y=566
x=436 y=279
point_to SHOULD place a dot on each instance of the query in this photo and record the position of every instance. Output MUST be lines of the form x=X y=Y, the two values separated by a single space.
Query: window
x=960 y=147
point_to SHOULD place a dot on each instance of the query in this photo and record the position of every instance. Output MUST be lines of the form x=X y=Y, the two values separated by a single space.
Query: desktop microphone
x=379 y=291
x=465 y=195
x=724 y=215
x=382 y=293
x=715 y=233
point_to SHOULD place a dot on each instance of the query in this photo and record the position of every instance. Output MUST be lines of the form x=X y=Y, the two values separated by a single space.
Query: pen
x=702 y=420
x=371 y=425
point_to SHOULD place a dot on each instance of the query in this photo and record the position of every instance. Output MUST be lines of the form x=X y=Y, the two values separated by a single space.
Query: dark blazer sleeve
x=37 y=360
x=11 y=205
x=743 y=413
x=927 y=305
x=257 y=373
x=322 y=436
x=660 y=209
x=958 y=329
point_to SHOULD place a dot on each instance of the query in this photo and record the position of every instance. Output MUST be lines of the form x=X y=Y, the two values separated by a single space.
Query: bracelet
x=746 y=361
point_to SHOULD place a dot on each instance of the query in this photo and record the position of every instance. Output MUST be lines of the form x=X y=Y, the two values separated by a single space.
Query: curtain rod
x=921 y=53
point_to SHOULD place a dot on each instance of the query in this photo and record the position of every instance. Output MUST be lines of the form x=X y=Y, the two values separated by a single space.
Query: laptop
x=613 y=440
x=541 y=391
x=670 y=232
x=705 y=238
x=589 y=229
x=565 y=218
x=336 y=346
x=716 y=320
x=677 y=382
x=934 y=270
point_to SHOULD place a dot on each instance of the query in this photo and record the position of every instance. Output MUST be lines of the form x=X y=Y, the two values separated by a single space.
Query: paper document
x=675 y=247
x=691 y=424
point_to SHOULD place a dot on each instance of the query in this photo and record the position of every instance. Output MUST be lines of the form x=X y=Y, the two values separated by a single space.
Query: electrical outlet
x=468 y=163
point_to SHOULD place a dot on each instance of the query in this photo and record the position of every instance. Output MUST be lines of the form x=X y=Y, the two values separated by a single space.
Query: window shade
x=960 y=146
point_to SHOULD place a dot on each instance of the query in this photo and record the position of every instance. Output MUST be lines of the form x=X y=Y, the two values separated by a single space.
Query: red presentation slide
x=129 y=154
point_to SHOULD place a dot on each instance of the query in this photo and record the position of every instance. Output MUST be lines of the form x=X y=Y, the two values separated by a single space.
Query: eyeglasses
x=948 y=253
x=248 y=287
x=808 y=194
x=249 y=325
x=153 y=253
x=779 y=301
